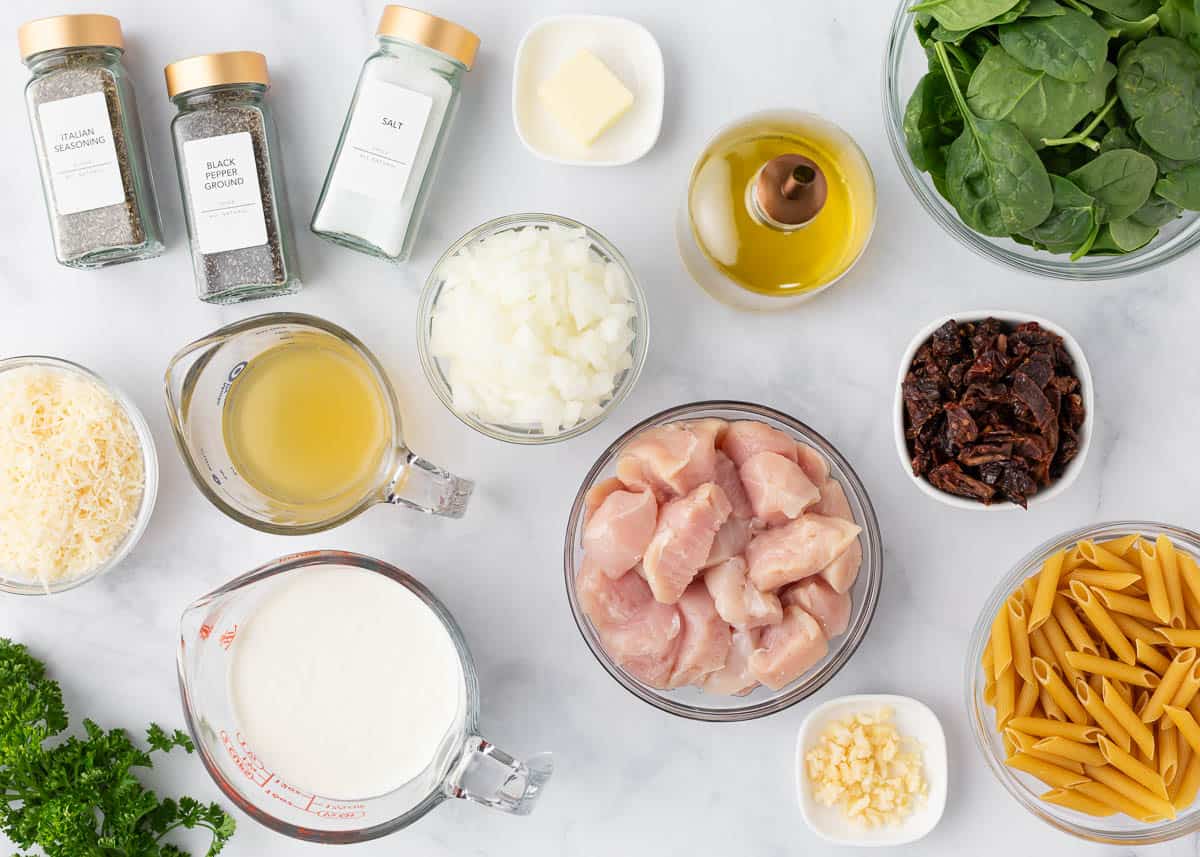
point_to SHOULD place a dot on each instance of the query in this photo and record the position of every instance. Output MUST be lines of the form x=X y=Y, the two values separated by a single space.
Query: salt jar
x=98 y=188
x=394 y=134
x=231 y=178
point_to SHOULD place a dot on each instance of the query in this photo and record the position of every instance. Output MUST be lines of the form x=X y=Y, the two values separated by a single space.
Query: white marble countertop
x=630 y=780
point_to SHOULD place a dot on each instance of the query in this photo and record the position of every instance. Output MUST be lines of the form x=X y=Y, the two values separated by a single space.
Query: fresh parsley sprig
x=79 y=796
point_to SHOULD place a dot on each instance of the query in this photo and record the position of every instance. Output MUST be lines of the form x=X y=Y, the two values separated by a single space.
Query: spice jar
x=231 y=178
x=378 y=183
x=99 y=192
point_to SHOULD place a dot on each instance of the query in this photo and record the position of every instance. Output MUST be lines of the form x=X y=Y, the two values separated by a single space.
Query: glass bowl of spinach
x=1058 y=137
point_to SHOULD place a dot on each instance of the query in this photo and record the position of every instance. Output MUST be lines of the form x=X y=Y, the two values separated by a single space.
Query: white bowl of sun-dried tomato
x=993 y=410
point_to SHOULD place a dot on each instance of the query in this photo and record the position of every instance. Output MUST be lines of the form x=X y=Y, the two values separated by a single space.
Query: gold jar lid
x=216 y=70
x=69 y=31
x=446 y=37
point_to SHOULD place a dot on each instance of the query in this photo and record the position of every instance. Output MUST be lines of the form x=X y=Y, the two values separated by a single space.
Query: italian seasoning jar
x=98 y=189
x=378 y=183
x=231 y=178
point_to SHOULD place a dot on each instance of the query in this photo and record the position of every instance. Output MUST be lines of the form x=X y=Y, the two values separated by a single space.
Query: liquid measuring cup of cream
x=332 y=698
x=288 y=424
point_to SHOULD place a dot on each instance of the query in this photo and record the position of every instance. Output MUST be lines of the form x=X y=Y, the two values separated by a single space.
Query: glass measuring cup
x=198 y=382
x=465 y=765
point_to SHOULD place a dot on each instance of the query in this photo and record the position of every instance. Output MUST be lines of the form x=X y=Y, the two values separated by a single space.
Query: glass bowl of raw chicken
x=722 y=561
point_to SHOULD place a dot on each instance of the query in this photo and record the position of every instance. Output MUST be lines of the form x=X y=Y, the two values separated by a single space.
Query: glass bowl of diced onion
x=1116 y=829
x=22 y=581
x=561 y=420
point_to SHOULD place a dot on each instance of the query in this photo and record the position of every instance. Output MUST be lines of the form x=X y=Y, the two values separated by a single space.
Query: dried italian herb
x=993 y=412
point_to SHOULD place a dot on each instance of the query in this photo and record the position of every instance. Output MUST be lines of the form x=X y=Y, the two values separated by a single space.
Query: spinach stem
x=1083 y=137
x=944 y=59
x=1075 y=4
x=1086 y=246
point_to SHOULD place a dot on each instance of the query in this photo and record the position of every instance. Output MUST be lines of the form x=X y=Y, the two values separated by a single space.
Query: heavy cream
x=344 y=683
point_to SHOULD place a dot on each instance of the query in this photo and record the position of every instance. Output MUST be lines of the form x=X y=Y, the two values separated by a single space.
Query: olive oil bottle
x=780 y=205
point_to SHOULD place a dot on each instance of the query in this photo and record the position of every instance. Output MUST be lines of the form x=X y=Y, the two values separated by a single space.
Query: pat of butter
x=585 y=97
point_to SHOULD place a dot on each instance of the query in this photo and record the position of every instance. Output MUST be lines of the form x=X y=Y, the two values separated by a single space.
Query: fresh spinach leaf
x=1070 y=47
x=1156 y=212
x=931 y=122
x=1072 y=219
x=1181 y=187
x=964 y=14
x=1118 y=27
x=943 y=34
x=1044 y=9
x=1128 y=235
x=996 y=181
x=1128 y=9
x=1126 y=138
x=1180 y=19
x=1043 y=107
x=1159 y=85
x=1120 y=180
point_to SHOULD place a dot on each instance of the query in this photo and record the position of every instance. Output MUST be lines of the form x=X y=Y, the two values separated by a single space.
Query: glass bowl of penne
x=1083 y=682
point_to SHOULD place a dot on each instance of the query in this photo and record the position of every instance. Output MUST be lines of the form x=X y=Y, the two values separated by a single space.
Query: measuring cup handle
x=426 y=487
x=486 y=774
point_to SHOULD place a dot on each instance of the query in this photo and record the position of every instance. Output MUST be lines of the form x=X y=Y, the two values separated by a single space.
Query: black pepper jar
x=98 y=188
x=231 y=178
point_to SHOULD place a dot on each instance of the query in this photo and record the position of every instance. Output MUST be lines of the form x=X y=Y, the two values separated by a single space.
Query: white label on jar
x=382 y=141
x=227 y=207
x=78 y=139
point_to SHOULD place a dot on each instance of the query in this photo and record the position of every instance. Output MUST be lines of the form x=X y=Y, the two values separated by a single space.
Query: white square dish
x=630 y=52
x=912 y=719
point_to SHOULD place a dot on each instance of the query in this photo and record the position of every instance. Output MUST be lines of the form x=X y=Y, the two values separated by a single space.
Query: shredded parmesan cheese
x=71 y=475
x=867 y=768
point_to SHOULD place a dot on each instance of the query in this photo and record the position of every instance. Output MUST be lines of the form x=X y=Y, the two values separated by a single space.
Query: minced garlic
x=867 y=768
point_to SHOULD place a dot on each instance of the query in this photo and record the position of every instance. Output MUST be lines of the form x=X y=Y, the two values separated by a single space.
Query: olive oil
x=307 y=423
x=750 y=251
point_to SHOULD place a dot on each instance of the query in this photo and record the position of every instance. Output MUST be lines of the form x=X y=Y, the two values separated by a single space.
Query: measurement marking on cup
x=206 y=631
x=227 y=637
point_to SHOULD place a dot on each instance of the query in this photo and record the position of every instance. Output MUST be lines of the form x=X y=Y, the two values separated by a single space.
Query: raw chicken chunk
x=813 y=463
x=843 y=571
x=833 y=502
x=797 y=550
x=619 y=531
x=635 y=630
x=673 y=459
x=596 y=494
x=730 y=480
x=735 y=678
x=747 y=438
x=705 y=639
x=738 y=602
x=829 y=607
x=778 y=489
x=682 y=540
x=787 y=650
x=730 y=541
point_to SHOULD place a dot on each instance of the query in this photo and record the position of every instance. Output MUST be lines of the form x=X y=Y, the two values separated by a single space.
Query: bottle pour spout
x=790 y=191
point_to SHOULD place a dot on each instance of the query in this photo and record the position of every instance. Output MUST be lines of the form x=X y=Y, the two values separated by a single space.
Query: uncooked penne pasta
x=1127 y=787
x=1169 y=563
x=1135 y=629
x=1073 y=750
x=1001 y=643
x=1059 y=645
x=1103 y=794
x=1043 y=727
x=1180 y=666
x=1191 y=603
x=1121 y=546
x=1073 y=559
x=1096 y=614
x=1134 y=675
x=1168 y=753
x=1156 y=587
x=1019 y=640
x=1119 y=602
x=1051 y=775
x=1047 y=585
x=1102 y=559
x=1137 y=771
x=1128 y=718
x=1059 y=691
x=1090 y=700
x=1072 y=627
x=1028 y=744
x=1184 y=752
x=1073 y=799
x=1185 y=725
x=1188 y=782
x=1151 y=656
x=1180 y=637
x=1189 y=574
x=1104 y=579
x=1027 y=699
x=1006 y=697
x=1188 y=688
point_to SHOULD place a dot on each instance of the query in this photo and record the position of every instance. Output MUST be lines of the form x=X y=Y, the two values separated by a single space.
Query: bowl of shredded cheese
x=531 y=328
x=78 y=475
